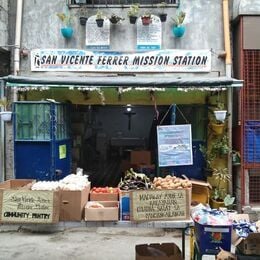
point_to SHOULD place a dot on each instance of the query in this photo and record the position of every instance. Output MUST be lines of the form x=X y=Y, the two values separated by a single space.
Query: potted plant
x=100 y=18
x=222 y=176
x=209 y=158
x=5 y=114
x=83 y=19
x=114 y=19
x=146 y=18
x=133 y=13
x=66 y=30
x=162 y=14
x=220 y=146
x=178 y=27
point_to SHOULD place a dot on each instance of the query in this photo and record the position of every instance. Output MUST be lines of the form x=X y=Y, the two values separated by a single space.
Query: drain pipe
x=228 y=62
x=18 y=27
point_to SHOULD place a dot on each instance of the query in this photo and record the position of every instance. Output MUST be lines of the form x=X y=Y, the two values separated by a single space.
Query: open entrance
x=105 y=137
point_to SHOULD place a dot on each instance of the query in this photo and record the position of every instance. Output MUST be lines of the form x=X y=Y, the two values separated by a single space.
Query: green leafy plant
x=133 y=10
x=4 y=103
x=162 y=7
x=115 y=18
x=208 y=156
x=220 y=146
x=179 y=19
x=221 y=175
x=99 y=15
x=229 y=201
x=66 y=18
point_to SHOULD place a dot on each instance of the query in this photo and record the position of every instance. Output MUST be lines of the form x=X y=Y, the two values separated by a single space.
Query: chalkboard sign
x=152 y=205
x=174 y=145
x=25 y=206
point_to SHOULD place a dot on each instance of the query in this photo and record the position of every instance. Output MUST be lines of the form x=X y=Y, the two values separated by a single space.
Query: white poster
x=97 y=38
x=149 y=37
x=174 y=145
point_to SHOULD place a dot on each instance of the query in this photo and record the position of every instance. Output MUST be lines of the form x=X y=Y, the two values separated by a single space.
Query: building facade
x=99 y=70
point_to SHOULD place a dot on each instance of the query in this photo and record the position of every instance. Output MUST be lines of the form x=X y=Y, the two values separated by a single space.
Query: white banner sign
x=153 y=61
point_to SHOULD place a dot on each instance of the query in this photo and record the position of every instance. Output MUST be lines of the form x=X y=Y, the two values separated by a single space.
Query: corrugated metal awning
x=123 y=81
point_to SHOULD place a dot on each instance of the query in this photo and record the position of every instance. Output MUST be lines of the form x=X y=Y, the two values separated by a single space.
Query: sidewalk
x=75 y=242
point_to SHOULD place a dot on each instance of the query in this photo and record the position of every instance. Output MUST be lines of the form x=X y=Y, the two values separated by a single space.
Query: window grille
x=120 y=3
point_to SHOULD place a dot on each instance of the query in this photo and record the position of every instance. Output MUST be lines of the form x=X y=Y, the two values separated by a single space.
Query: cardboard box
x=164 y=251
x=72 y=204
x=249 y=245
x=225 y=255
x=200 y=192
x=124 y=205
x=19 y=204
x=168 y=204
x=211 y=239
x=108 y=213
x=240 y=256
x=140 y=157
x=17 y=184
x=103 y=196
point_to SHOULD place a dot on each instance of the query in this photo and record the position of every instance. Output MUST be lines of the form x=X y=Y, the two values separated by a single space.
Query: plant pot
x=163 y=17
x=6 y=115
x=100 y=22
x=220 y=115
x=113 y=20
x=146 y=20
x=218 y=129
x=214 y=204
x=178 y=31
x=83 y=20
x=132 y=19
x=67 y=32
x=236 y=159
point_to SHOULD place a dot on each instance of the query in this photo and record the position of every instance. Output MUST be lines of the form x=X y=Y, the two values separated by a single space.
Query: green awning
x=123 y=81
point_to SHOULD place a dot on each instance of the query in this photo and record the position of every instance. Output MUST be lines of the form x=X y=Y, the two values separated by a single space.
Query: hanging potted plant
x=114 y=19
x=146 y=18
x=221 y=147
x=162 y=14
x=83 y=18
x=100 y=18
x=178 y=29
x=5 y=114
x=66 y=30
x=133 y=13
x=218 y=119
x=217 y=198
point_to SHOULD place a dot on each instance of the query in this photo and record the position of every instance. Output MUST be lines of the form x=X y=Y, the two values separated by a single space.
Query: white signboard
x=174 y=145
x=153 y=61
x=97 y=38
x=149 y=37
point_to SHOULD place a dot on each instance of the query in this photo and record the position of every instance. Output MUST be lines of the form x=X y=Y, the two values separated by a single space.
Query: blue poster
x=174 y=145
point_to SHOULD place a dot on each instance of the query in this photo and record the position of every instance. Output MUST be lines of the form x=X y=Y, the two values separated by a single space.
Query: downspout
x=228 y=69
x=16 y=69
x=18 y=27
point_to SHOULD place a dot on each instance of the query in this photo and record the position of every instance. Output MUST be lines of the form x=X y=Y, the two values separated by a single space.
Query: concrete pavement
x=99 y=243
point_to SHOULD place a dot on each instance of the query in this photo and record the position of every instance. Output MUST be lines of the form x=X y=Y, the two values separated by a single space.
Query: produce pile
x=70 y=182
x=134 y=181
x=171 y=182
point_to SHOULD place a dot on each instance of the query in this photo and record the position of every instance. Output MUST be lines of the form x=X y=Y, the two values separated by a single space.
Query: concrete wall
x=3 y=24
x=245 y=7
x=41 y=29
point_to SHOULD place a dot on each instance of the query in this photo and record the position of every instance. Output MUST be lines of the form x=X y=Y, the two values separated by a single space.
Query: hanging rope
x=187 y=122
x=155 y=104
